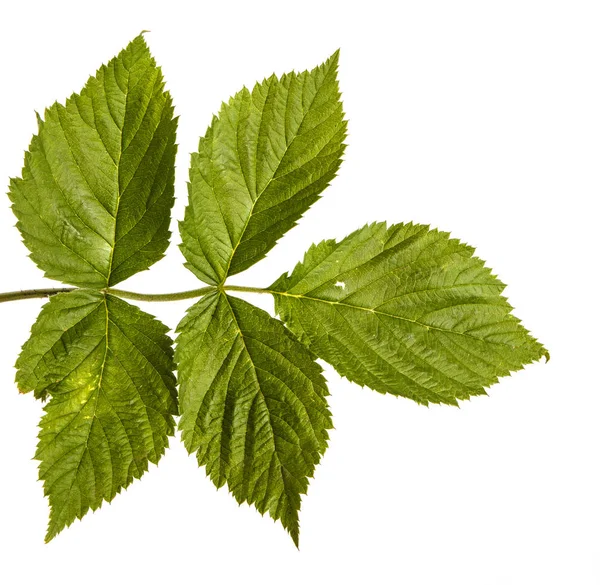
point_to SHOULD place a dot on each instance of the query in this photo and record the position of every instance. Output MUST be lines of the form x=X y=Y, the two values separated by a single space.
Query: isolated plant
x=403 y=309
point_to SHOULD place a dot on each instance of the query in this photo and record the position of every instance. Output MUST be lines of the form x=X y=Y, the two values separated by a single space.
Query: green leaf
x=262 y=163
x=96 y=191
x=107 y=367
x=253 y=404
x=405 y=310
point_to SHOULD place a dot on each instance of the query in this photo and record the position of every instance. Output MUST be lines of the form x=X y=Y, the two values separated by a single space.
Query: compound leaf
x=253 y=404
x=262 y=163
x=95 y=197
x=107 y=368
x=405 y=310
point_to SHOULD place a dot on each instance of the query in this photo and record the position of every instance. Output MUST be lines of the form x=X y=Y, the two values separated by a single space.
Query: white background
x=481 y=118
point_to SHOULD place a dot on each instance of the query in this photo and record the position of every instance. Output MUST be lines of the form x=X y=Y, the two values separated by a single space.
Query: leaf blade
x=108 y=370
x=405 y=310
x=93 y=203
x=253 y=405
x=263 y=161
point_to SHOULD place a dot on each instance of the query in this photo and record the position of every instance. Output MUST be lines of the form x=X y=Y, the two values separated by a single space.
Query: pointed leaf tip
x=296 y=538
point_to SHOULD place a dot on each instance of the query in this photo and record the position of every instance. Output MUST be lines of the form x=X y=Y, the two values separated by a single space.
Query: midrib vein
x=118 y=164
x=375 y=311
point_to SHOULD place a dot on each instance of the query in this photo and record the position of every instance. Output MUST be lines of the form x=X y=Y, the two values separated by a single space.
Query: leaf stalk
x=40 y=293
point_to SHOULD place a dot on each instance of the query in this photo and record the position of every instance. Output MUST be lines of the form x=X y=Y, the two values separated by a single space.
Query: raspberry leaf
x=262 y=163
x=405 y=310
x=107 y=368
x=253 y=404
x=95 y=196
